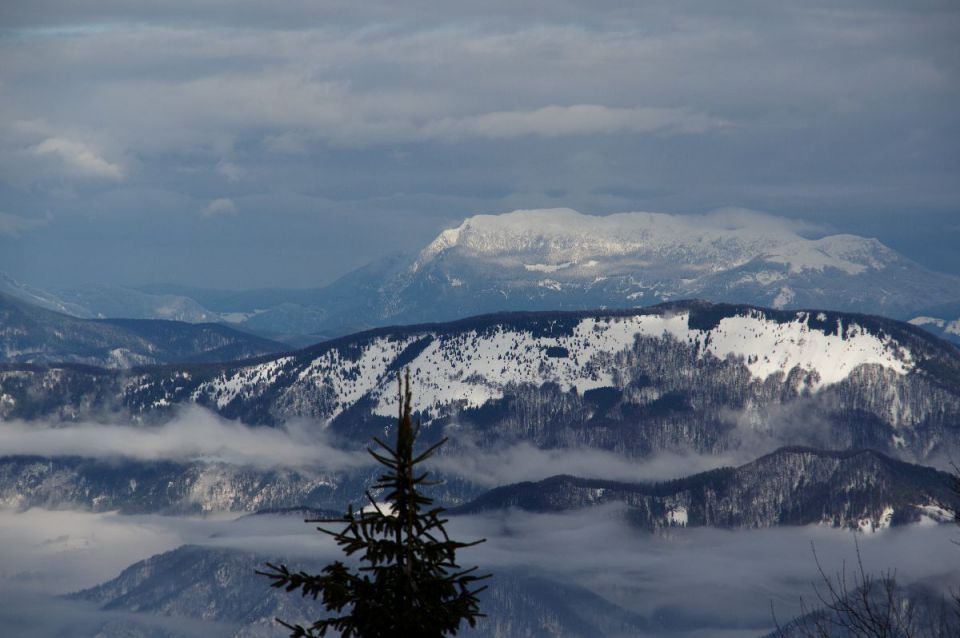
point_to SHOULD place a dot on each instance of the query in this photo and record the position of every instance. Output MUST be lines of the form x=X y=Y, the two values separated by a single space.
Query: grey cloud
x=78 y=158
x=395 y=123
x=219 y=206
x=15 y=225
x=578 y=119
x=230 y=171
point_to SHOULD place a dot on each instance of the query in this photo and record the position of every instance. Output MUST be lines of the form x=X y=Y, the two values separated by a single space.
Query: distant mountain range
x=686 y=376
x=32 y=334
x=561 y=259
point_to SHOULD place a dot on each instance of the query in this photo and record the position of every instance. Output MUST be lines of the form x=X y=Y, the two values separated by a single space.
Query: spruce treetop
x=408 y=582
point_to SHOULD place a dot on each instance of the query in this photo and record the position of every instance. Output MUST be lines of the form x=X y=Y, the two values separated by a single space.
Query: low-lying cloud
x=195 y=434
x=694 y=582
x=711 y=580
x=493 y=466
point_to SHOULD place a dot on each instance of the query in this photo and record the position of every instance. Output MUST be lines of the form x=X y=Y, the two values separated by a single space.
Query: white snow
x=677 y=516
x=934 y=515
x=383 y=506
x=785 y=296
x=445 y=240
x=883 y=521
x=885 y=518
x=547 y=267
x=549 y=284
x=470 y=367
x=351 y=379
x=225 y=388
x=848 y=253
x=553 y=240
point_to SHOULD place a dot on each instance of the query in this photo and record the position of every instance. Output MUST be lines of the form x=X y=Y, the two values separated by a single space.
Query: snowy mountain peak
x=556 y=239
x=851 y=254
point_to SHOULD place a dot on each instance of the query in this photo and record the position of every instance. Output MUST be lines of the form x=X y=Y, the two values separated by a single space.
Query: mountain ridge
x=556 y=259
x=688 y=376
x=789 y=486
x=33 y=334
x=861 y=489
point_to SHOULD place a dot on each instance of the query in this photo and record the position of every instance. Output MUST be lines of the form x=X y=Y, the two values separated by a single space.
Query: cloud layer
x=195 y=434
x=711 y=582
x=344 y=133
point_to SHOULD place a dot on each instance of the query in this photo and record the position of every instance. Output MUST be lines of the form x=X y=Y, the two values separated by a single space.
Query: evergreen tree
x=408 y=582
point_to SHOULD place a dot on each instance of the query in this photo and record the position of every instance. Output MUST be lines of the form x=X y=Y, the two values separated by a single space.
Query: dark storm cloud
x=189 y=141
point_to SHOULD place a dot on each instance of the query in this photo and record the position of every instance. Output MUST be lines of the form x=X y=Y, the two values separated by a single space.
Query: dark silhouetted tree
x=408 y=582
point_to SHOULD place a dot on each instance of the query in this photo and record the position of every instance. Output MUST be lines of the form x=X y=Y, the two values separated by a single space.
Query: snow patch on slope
x=351 y=378
x=471 y=368
x=227 y=387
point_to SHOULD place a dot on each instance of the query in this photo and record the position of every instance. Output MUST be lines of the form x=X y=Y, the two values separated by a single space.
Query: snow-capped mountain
x=552 y=259
x=683 y=376
x=560 y=259
x=948 y=329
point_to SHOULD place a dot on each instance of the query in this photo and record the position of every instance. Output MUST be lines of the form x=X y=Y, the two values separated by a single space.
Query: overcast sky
x=241 y=144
